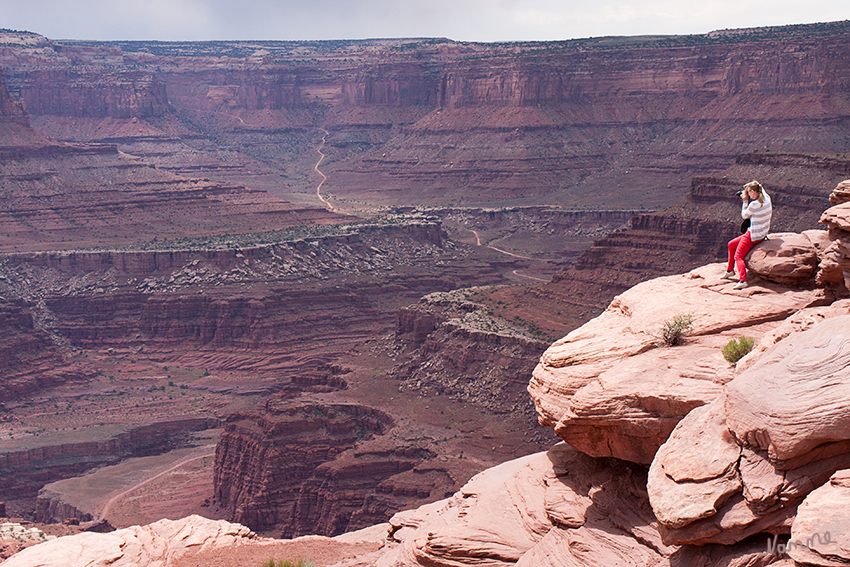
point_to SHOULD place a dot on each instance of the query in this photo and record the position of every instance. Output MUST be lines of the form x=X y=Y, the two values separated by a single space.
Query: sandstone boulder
x=608 y=389
x=787 y=258
x=841 y=194
x=808 y=380
x=159 y=543
x=835 y=267
x=691 y=479
x=820 y=534
x=799 y=321
x=742 y=464
x=555 y=508
x=579 y=511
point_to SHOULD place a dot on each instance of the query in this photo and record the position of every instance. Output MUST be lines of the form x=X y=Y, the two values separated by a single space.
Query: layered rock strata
x=30 y=358
x=438 y=121
x=60 y=195
x=555 y=508
x=306 y=467
x=835 y=267
x=819 y=534
x=467 y=353
x=325 y=288
x=609 y=389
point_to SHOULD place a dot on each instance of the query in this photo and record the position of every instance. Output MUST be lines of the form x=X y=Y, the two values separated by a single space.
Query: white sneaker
x=728 y=276
x=740 y=285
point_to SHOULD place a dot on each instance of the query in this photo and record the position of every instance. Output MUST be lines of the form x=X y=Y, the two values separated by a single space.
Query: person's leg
x=744 y=245
x=733 y=245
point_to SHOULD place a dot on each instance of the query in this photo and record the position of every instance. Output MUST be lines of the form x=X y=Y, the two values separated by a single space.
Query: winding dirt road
x=514 y=272
x=316 y=169
x=108 y=506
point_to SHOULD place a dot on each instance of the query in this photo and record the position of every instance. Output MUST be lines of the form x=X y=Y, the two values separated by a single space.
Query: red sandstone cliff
x=30 y=360
x=11 y=110
x=305 y=467
x=93 y=93
x=596 y=122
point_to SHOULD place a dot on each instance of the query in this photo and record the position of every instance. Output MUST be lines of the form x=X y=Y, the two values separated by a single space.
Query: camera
x=739 y=193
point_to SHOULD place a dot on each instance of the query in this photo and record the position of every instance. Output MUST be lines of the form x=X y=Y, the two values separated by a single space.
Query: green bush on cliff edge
x=675 y=330
x=736 y=349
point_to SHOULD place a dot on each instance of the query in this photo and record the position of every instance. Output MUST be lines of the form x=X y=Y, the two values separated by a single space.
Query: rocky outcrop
x=819 y=533
x=304 y=467
x=841 y=194
x=162 y=542
x=835 y=268
x=743 y=464
x=555 y=508
x=787 y=258
x=51 y=508
x=464 y=352
x=609 y=389
x=738 y=462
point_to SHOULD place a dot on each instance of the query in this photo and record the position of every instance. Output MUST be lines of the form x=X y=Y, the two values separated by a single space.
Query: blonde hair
x=756 y=186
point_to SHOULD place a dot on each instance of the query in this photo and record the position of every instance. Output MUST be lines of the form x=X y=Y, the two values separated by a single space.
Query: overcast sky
x=462 y=20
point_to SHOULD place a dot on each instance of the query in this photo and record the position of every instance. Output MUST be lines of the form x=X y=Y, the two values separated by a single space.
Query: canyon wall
x=269 y=299
x=11 y=109
x=300 y=467
x=92 y=94
x=462 y=351
x=605 y=123
x=30 y=359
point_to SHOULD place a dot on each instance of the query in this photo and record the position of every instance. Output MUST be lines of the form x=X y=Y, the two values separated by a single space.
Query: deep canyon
x=318 y=275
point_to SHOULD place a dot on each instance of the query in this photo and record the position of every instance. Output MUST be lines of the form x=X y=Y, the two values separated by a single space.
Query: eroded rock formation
x=305 y=467
x=819 y=534
x=609 y=390
x=742 y=464
x=158 y=543
x=430 y=122
x=466 y=353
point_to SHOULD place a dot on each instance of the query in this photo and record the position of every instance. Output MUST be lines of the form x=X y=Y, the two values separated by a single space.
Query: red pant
x=738 y=248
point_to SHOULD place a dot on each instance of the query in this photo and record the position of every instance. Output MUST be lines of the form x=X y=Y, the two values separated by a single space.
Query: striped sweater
x=759 y=216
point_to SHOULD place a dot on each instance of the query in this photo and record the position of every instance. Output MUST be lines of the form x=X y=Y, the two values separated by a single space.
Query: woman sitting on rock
x=757 y=208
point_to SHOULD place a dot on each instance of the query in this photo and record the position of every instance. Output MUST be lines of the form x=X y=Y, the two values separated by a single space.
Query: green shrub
x=675 y=330
x=736 y=349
